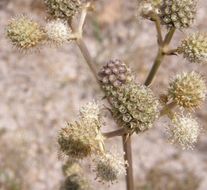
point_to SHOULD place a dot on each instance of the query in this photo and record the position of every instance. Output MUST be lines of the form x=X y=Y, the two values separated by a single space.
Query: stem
x=155 y=67
x=160 y=56
x=118 y=132
x=156 y=19
x=87 y=56
x=169 y=36
x=128 y=157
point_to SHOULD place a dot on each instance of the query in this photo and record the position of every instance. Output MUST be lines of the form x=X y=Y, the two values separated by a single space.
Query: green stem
x=128 y=157
x=160 y=56
x=155 y=67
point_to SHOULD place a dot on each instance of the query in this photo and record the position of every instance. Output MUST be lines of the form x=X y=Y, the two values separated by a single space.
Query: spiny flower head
x=78 y=140
x=188 y=90
x=185 y=131
x=57 y=31
x=194 y=48
x=63 y=9
x=134 y=106
x=178 y=13
x=109 y=167
x=24 y=33
x=90 y=112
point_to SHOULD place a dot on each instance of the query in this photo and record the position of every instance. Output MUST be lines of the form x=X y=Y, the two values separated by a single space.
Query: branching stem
x=160 y=56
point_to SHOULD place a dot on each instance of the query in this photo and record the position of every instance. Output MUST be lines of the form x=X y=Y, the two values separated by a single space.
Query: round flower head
x=194 y=48
x=24 y=33
x=134 y=106
x=78 y=140
x=185 y=131
x=188 y=90
x=109 y=167
x=57 y=32
x=178 y=13
x=63 y=8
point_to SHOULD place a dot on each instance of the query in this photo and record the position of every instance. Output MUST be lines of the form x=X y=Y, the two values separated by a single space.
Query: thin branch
x=118 y=132
x=155 y=67
x=160 y=56
x=171 y=52
x=169 y=36
x=128 y=157
x=156 y=20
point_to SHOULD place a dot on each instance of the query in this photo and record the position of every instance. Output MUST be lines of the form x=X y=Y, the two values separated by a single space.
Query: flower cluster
x=188 y=90
x=109 y=167
x=194 y=48
x=24 y=33
x=185 y=131
x=63 y=9
x=178 y=13
x=57 y=31
x=134 y=106
x=81 y=138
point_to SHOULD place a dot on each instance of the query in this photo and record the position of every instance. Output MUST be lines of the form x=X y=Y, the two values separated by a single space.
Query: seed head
x=194 y=48
x=109 y=167
x=178 y=13
x=63 y=9
x=185 y=131
x=134 y=106
x=57 y=32
x=24 y=33
x=188 y=90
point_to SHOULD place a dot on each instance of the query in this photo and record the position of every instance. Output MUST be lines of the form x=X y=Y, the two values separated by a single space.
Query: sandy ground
x=40 y=92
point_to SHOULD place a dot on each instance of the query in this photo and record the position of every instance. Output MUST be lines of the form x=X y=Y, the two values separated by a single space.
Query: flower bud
x=178 y=13
x=134 y=106
x=194 y=48
x=188 y=90
x=63 y=9
x=185 y=131
x=57 y=32
x=24 y=33
x=109 y=167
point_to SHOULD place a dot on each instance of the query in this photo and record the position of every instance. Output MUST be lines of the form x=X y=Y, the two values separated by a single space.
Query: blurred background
x=42 y=90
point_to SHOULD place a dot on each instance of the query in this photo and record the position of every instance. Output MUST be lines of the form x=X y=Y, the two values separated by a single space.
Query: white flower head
x=57 y=31
x=185 y=131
